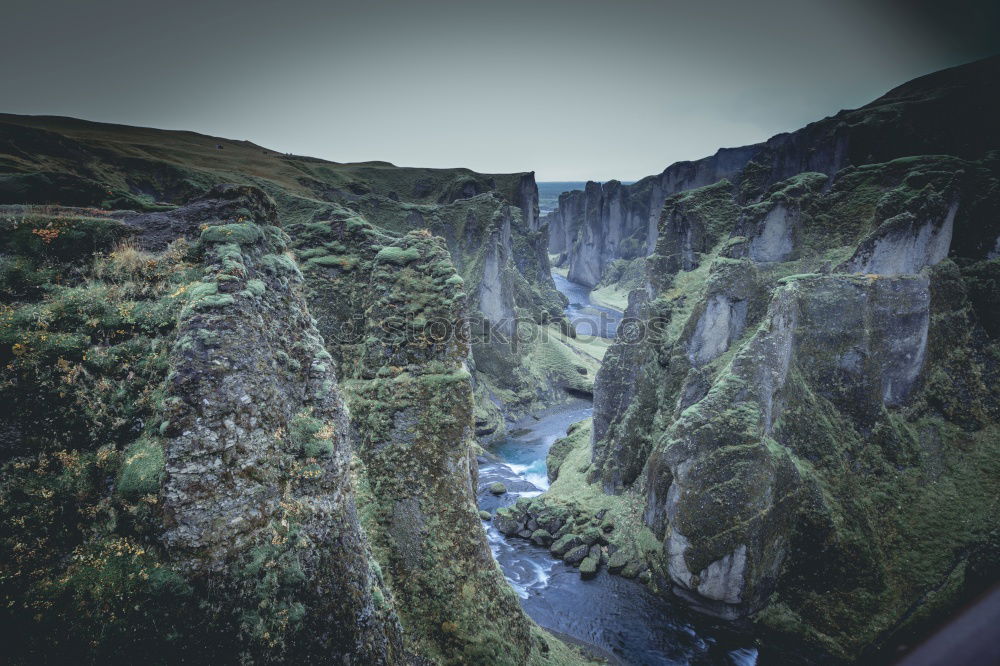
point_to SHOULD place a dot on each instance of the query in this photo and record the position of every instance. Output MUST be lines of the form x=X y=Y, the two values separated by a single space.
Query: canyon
x=263 y=407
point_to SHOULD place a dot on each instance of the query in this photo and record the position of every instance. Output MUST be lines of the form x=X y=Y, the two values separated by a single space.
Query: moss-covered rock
x=142 y=469
x=211 y=296
x=541 y=537
x=576 y=555
x=157 y=551
x=786 y=414
x=564 y=544
x=617 y=561
x=589 y=566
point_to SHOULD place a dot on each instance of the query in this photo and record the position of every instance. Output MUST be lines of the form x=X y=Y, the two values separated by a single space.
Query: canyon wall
x=247 y=417
x=798 y=424
x=490 y=222
x=176 y=446
x=809 y=421
x=589 y=229
x=942 y=113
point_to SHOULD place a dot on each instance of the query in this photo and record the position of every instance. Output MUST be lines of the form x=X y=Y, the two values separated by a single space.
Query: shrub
x=312 y=437
x=127 y=259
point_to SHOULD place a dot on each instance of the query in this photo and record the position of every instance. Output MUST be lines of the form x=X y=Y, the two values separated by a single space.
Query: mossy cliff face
x=810 y=422
x=392 y=309
x=593 y=227
x=184 y=493
x=500 y=255
x=490 y=221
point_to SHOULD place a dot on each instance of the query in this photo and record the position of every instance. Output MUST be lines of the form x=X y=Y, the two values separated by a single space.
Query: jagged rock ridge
x=593 y=227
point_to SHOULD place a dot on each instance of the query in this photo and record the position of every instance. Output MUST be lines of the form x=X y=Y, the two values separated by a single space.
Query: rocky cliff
x=612 y=221
x=511 y=298
x=392 y=309
x=799 y=424
x=178 y=455
x=593 y=227
x=809 y=420
x=176 y=448
x=490 y=221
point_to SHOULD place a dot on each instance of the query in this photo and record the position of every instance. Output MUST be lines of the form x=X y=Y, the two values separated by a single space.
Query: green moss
x=397 y=255
x=142 y=469
x=588 y=567
x=241 y=233
x=214 y=301
x=344 y=262
x=563 y=447
x=255 y=289
x=202 y=289
x=355 y=224
x=794 y=278
x=619 y=278
x=618 y=560
x=273 y=613
x=279 y=264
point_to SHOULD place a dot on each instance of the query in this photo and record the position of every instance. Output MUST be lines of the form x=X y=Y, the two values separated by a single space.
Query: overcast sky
x=572 y=89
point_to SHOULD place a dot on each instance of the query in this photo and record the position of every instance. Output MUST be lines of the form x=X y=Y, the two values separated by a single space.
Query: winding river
x=617 y=618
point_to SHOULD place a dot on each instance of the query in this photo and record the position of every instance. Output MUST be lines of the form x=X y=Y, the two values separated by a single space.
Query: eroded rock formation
x=795 y=418
x=593 y=227
x=197 y=439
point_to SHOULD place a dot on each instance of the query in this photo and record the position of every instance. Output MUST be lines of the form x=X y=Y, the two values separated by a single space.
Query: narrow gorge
x=265 y=408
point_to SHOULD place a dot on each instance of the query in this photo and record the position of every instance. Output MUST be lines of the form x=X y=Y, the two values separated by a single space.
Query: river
x=620 y=618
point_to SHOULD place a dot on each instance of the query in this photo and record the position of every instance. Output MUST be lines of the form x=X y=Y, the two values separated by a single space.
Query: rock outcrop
x=490 y=221
x=593 y=227
x=395 y=308
x=799 y=422
x=612 y=221
x=403 y=364
x=791 y=424
x=181 y=488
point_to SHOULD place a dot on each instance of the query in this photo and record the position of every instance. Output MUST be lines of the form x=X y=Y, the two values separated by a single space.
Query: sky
x=570 y=89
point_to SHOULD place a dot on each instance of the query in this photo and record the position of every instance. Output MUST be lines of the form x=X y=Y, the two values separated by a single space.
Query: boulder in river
x=506 y=521
x=541 y=537
x=564 y=544
x=576 y=555
x=633 y=569
x=498 y=488
x=591 y=536
x=589 y=566
x=617 y=561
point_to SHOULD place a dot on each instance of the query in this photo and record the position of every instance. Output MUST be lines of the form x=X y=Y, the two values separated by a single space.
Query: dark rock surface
x=946 y=113
x=242 y=535
x=812 y=424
